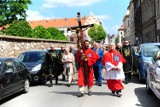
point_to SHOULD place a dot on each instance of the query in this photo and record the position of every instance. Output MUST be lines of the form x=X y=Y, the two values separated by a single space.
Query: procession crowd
x=112 y=63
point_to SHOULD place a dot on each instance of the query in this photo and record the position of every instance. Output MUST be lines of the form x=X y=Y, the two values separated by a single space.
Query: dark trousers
x=128 y=77
x=50 y=74
x=63 y=77
x=98 y=73
x=50 y=79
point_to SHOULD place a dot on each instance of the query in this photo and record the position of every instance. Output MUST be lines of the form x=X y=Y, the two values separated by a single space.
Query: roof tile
x=59 y=23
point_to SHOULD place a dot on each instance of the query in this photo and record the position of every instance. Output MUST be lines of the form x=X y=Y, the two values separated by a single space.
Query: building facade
x=138 y=21
x=120 y=34
x=148 y=22
x=131 y=23
x=126 y=25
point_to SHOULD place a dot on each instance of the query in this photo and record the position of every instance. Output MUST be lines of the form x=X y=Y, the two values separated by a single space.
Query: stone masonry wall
x=11 y=46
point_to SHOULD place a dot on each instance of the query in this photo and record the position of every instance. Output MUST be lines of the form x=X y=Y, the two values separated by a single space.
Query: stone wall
x=11 y=46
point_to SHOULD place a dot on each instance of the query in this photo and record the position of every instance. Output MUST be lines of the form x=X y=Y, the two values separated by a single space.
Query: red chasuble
x=92 y=58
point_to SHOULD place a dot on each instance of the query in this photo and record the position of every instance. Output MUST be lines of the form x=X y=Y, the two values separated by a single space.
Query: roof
x=121 y=28
x=59 y=23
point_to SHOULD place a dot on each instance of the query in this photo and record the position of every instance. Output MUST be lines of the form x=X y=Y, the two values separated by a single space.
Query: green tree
x=19 y=28
x=97 y=33
x=11 y=10
x=56 y=33
x=41 y=32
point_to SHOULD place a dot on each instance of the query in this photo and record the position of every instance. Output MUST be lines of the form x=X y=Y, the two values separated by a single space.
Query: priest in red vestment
x=86 y=58
x=114 y=74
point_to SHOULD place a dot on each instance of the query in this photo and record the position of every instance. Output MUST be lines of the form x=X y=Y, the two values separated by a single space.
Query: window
x=62 y=31
x=19 y=66
x=8 y=65
x=32 y=57
x=71 y=39
x=150 y=50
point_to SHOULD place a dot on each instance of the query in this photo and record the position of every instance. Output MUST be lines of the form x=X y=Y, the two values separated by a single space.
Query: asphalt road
x=134 y=95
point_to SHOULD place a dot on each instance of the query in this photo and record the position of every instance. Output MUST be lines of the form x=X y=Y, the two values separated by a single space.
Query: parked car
x=153 y=75
x=14 y=77
x=39 y=62
x=145 y=53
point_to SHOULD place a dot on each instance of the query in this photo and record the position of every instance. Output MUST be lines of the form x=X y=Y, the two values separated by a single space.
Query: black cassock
x=128 y=55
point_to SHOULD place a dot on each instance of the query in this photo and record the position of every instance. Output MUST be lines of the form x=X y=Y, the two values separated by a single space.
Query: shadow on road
x=145 y=99
x=10 y=98
x=136 y=80
x=76 y=93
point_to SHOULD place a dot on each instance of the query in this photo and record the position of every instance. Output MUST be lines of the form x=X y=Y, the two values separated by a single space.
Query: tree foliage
x=41 y=32
x=19 y=28
x=97 y=33
x=11 y=10
x=56 y=33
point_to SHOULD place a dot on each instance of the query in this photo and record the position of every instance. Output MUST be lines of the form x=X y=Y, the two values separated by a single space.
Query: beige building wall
x=131 y=23
x=126 y=24
x=92 y=19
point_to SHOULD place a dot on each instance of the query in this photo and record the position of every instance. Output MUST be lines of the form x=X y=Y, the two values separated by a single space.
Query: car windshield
x=150 y=50
x=32 y=57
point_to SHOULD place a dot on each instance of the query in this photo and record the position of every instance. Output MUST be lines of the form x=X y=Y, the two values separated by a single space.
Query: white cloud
x=35 y=15
x=104 y=17
x=68 y=3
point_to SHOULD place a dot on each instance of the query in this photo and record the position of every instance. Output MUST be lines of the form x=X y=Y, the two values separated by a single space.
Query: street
x=134 y=95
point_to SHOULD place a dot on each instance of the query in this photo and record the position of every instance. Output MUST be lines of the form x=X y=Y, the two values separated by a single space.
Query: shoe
x=113 y=94
x=50 y=85
x=129 y=81
x=126 y=82
x=99 y=84
x=89 y=93
x=68 y=85
x=119 y=94
x=80 y=95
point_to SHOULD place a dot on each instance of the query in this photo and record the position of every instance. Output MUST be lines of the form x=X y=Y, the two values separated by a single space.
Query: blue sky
x=110 y=12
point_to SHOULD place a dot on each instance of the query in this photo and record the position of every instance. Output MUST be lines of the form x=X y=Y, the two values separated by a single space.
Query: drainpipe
x=141 y=21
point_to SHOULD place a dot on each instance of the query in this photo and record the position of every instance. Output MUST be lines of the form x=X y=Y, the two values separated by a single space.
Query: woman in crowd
x=68 y=59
